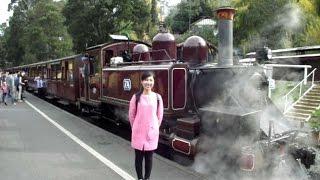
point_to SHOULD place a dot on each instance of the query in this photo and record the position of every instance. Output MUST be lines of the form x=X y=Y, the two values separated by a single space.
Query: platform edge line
x=93 y=152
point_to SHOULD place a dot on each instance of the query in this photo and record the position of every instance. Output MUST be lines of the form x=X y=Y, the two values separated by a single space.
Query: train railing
x=297 y=93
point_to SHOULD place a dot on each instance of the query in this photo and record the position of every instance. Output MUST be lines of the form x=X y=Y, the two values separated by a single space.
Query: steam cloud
x=218 y=152
x=290 y=18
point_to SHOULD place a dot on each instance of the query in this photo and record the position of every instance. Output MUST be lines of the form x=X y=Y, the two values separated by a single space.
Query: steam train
x=206 y=104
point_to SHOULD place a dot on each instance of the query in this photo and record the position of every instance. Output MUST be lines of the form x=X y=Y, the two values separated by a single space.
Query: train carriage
x=62 y=79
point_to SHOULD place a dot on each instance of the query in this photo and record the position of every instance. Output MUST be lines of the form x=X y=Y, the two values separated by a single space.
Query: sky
x=4 y=14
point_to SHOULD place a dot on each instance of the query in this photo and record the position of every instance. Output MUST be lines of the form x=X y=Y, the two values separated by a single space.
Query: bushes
x=315 y=121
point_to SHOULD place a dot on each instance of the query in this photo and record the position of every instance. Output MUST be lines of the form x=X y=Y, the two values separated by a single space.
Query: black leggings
x=4 y=95
x=147 y=155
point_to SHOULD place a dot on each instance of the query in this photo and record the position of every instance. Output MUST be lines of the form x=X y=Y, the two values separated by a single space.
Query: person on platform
x=5 y=91
x=145 y=116
x=20 y=86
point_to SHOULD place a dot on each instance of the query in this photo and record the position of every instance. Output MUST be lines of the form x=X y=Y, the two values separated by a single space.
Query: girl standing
x=145 y=116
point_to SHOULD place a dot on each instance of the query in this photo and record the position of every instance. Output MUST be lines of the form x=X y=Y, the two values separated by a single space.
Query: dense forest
x=42 y=30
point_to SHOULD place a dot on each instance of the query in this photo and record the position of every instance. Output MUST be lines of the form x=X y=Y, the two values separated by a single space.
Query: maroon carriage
x=62 y=79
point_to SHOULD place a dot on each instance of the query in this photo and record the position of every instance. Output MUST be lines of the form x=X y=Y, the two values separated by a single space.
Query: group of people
x=11 y=86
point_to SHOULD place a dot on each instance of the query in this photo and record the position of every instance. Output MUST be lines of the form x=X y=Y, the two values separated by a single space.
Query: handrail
x=286 y=108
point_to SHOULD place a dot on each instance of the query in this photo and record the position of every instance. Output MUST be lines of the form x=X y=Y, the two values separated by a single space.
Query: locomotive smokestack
x=225 y=28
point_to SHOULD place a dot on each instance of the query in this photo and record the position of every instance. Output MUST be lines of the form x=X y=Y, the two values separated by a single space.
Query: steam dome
x=195 y=50
x=140 y=48
x=163 y=37
x=164 y=47
x=141 y=53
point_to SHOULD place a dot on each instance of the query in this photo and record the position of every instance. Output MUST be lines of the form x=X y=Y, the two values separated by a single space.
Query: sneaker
x=14 y=104
x=6 y=104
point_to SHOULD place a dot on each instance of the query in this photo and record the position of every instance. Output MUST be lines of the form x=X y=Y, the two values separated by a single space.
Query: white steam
x=291 y=18
x=217 y=157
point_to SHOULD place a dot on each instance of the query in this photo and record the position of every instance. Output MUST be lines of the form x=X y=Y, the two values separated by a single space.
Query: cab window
x=108 y=54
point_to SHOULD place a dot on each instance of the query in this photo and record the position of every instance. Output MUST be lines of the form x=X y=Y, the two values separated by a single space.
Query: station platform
x=39 y=141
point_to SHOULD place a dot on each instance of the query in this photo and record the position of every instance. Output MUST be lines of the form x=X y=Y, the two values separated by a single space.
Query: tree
x=187 y=12
x=153 y=12
x=2 y=45
x=45 y=35
x=14 y=34
x=276 y=24
x=90 y=22
x=36 y=32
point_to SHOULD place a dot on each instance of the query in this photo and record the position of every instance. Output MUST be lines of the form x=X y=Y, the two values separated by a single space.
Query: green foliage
x=14 y=36
x=45 y=35
x=312 y=36
x=276 y=24
x=39 y=28
x=36 y=32
x=154 y=14
x=2 y=45
x=188 y=12
x=90 y=22
x=271 y=23
x=315 y=121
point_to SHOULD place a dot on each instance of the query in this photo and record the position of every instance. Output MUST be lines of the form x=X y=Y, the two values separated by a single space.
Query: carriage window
x=39 y=71
x=56 y=71
x=53 y=72
x=70 y=71
x=94 y=64
x=45 y=72
x=43 y=69
x=59 y=74
x=59 y=71
x=63 y=71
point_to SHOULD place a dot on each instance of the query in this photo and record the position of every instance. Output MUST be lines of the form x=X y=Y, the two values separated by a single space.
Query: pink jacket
x=145 y=121
x=4 y=88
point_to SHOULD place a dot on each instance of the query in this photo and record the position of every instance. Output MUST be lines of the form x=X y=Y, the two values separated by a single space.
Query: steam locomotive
x=207 y=105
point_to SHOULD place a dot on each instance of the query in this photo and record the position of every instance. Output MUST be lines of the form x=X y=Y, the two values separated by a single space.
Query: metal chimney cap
x=226 y=13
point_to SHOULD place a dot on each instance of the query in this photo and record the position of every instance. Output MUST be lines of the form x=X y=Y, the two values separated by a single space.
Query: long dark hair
x=144 y=76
